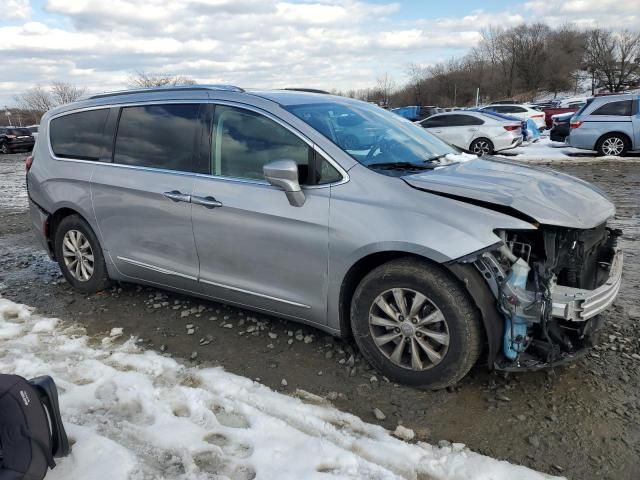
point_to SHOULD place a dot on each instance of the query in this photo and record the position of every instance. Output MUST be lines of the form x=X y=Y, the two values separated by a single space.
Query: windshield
x=372 y=135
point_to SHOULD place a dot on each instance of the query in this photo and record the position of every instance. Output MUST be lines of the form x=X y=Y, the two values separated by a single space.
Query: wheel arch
x=54 y=221
x=624 y=135
x=491 y=320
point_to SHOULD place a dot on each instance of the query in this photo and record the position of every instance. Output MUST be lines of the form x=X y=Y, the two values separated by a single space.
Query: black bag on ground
x=31 y=429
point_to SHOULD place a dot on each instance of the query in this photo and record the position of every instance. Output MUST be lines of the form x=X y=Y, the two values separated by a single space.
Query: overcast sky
x=259 y=43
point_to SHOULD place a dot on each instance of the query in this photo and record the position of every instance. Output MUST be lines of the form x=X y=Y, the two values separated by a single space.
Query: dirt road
x=581 y=421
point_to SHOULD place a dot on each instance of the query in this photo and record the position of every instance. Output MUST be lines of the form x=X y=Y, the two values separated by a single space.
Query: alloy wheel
x=613 y=146
x=78 y=255
x=481 y=147
x=4 y=148
x=409 y=329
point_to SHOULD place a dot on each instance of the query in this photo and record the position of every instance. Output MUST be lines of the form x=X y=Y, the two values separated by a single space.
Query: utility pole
x=455 y=94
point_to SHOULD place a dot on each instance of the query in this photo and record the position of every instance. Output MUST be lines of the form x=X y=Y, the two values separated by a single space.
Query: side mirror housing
x=284 y=174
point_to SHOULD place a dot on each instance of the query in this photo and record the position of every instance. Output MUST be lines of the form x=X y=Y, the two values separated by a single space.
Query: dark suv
x=13 y=139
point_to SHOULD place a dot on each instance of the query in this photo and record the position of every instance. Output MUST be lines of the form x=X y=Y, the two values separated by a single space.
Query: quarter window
x=622 y=109
x=79 y=135
x=157 y=136
x=243 y=142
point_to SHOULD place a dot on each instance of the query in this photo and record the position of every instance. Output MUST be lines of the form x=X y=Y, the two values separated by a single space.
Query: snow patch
x=134 y=414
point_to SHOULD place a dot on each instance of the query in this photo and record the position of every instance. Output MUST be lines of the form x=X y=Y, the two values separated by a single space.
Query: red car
x=550 y=112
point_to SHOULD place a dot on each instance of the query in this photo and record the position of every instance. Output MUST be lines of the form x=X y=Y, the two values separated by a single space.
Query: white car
x=34 y=130
x=522 y=112
x=479 y=132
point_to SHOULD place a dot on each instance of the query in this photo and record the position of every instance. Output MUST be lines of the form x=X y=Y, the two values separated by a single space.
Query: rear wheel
x=79 y=255
x=4 y=148
x=415 y=324
x=481 y=146
x=613 y=144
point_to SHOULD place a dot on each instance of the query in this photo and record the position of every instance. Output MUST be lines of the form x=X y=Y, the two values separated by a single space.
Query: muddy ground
x=581 y=421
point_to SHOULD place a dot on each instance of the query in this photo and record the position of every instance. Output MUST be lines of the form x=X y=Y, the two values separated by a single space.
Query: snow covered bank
x=137 y=415
x=545 y=151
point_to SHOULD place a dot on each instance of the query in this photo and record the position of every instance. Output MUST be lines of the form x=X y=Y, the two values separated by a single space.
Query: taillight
x=576 y=123
x=28 y=162
x=537 y=116
x=511 y=128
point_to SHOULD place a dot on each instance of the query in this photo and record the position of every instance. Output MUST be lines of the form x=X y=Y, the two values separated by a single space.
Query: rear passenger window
x=622 y=109
x=79 y=135
x=157 y=136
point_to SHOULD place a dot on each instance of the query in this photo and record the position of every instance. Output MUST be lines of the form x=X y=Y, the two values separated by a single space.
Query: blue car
x=609 y=125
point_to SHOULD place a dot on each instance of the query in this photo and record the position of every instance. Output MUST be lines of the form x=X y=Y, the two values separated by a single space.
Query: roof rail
x=308 y=90
x=179 y=88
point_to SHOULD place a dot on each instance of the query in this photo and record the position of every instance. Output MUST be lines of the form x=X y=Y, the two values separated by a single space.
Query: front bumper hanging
x=579 y=305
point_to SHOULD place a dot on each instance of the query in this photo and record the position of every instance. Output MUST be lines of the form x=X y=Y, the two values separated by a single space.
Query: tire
x=84 y=275
x=4 y=148
x=482 y=146
x=458 y=318
x=611 y=143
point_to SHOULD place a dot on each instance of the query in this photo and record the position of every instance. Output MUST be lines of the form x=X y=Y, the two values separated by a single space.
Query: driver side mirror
x=284 y=174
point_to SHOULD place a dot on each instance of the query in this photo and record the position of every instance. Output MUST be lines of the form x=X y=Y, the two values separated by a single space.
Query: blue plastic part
x=515 y=328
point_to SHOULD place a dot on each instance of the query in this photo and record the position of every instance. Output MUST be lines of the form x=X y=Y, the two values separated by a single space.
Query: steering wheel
x=379 y=143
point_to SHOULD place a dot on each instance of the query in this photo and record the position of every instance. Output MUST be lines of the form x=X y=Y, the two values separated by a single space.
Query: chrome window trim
x=156 y=269
x=261 y=295
x=311 y=144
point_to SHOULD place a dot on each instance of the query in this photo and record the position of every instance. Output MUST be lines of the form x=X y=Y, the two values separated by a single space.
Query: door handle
x=208 y=202
x=177 y=196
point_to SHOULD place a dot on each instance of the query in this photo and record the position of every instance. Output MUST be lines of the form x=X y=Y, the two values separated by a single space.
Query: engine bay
x=549 y=285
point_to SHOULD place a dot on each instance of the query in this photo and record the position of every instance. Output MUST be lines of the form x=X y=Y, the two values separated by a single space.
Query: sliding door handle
x=208 y=202
x=177 y=196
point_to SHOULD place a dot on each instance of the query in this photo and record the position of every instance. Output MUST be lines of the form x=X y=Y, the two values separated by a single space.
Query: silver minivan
x=331 y=212
x=609 y=125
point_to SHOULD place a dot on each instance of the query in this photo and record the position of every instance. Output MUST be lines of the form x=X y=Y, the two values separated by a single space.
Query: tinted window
x=158 y=136
x=79 y=135
x=244 y=141
x=615 y=108
x=464 y=120
x=19 y=131
x=33 y=129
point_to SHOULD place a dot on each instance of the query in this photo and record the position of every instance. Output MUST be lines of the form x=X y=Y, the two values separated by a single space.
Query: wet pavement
x=581 y=421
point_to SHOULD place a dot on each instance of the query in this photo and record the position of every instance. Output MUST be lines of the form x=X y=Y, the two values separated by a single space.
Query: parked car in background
x=610 y=125
x=418 y=252
x=15 y=139
x=34 y=130
x=415 y=113
x=522 y=112
x=475 y=131
x=560 y=127
x=505 y=102
x=569 y=107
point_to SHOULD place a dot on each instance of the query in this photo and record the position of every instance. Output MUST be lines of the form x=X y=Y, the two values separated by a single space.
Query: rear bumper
x=39 y=224
x=579 y=305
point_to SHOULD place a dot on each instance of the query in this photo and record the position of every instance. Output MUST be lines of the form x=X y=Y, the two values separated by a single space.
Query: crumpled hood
x=546 y=196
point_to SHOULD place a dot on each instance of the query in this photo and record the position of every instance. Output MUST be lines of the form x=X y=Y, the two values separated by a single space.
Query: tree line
x=519 y=63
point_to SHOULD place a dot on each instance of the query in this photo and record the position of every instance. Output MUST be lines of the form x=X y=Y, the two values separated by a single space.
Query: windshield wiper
x=435 y=158
x=400 y=166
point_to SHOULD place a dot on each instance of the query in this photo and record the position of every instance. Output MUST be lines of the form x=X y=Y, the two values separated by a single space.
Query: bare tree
x=64 y=92
x=143 y=79
x=35 y=99
x=385 y=86
x=613 y=58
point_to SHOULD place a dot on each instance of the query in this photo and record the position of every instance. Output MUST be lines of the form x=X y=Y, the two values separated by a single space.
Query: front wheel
x=79 y=255
x=4 y=148
x=415 y=324
x=482 y=146
x=612 y=145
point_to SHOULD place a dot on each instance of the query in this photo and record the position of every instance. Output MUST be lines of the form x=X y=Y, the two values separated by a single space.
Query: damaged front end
x=549 y=286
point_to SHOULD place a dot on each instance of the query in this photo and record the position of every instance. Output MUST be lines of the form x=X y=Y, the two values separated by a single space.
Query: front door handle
x=177 y=196
x=208 y=202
